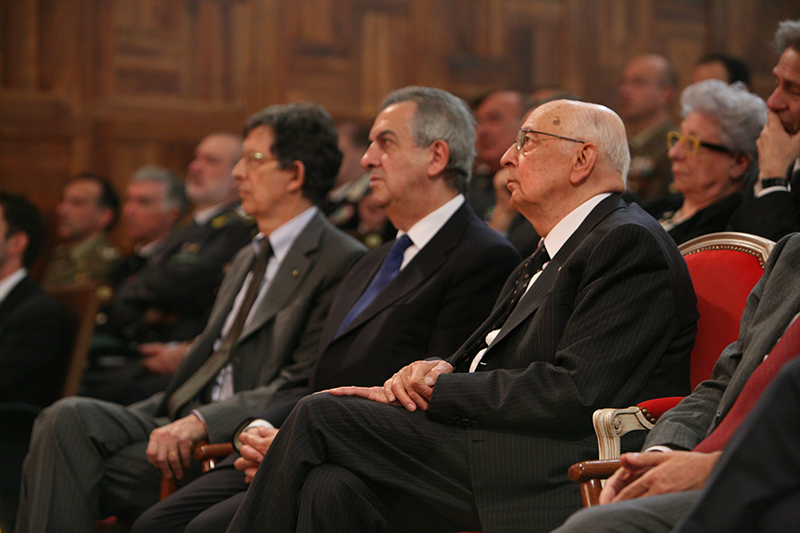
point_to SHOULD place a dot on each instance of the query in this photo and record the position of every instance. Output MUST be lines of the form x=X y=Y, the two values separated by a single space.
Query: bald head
x=572 y=152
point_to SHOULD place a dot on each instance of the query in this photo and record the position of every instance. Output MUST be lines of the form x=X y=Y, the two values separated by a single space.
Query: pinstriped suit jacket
x=609 y=322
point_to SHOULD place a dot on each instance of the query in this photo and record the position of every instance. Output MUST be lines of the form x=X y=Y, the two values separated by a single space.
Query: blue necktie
x=387 y=272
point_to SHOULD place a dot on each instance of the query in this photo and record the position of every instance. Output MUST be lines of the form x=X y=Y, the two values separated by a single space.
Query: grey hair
x=591 y=125
x=173 y=186
x=740 y=115
x=441 y=116
x=787 y=35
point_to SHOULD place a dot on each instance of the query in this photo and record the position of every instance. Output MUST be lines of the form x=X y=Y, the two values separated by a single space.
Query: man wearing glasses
x=483 y=439
x=89 y=459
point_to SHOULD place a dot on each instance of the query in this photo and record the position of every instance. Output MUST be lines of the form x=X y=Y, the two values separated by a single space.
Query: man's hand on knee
x=648 y=474
x=412 y=386
x=170 y=446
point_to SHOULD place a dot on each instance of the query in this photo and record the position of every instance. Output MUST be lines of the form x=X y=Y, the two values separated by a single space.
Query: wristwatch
x=774 y=182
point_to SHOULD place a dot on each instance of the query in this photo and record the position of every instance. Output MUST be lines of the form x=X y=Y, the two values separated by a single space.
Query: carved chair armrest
x=590 y=475
x=611 y=424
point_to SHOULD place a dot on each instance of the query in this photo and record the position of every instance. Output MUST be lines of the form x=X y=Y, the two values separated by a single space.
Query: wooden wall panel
x=107 y=85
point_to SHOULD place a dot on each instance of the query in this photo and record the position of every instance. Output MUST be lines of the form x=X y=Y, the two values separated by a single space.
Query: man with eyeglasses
x=603 y=313
x=90 y=459
x=771 y=206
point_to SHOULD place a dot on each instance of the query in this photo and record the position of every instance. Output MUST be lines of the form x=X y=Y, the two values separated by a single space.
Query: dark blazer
x=33 y=337
x=282 y=341
x=610 y=322
x=179 y=281
x=710 y=219
x=428 y=310
x=771 y=306
x=774 y=215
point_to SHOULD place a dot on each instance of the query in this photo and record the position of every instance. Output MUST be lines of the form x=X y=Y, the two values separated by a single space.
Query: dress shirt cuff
x=659 y=448
x=196 y=413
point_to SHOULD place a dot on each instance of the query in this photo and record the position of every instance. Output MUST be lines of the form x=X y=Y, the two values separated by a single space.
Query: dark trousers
x=348 y=464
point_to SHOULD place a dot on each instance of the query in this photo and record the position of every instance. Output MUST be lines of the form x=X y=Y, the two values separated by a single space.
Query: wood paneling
x=108 y=85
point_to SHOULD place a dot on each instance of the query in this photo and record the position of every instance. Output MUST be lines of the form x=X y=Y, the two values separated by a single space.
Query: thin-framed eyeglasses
x=693 y=144
x=252 y=158
x=522 y=136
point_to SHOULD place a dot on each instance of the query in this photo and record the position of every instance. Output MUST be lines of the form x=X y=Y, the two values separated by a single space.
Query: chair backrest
x=81 y=303
x=724 y=268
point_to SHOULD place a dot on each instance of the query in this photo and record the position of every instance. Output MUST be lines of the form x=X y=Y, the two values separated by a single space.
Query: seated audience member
x=170 y=297
x=449 y=277
x=499 y=114
x=483 y=439
x=721 y=67
x=155 y=200
x=652 y=491
x=711 y=155
x=646 y=91
x=88 y=209
x=754 y=485
x=33 y=343
x=90 y=458
x=505 y=219
x=771 y=206
x=374 y=226
x=32 y=326
x=351 y=182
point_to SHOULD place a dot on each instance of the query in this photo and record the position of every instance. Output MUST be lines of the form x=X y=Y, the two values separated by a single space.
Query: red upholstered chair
x=724 y=268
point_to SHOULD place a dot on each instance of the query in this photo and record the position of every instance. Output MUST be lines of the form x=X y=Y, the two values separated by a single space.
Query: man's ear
x=298 y=170
x=17 y=243
x=439 y=157
x=584 y=161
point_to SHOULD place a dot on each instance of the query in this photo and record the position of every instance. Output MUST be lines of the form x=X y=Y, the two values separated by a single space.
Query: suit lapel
x=18 y=294
x=427 y=261
x=289 y=275
x=542 y=286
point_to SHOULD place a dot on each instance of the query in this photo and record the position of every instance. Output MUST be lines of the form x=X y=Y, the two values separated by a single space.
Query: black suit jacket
x=428 y=310
x=33 y=338
x=773 y=215
x=610 y=322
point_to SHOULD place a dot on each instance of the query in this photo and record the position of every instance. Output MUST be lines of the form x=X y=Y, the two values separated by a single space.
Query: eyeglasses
x=252 y=159
x=692 y=144
x=522 y=137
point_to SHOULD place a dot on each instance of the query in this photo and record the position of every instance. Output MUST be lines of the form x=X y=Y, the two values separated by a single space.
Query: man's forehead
x=547 y=117
x=395 y=118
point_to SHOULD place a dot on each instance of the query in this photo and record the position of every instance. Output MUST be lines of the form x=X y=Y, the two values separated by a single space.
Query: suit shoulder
x=336 y=241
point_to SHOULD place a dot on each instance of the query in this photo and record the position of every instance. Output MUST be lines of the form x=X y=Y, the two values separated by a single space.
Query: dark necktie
x=532 y=265
x=197 y=381
x=787 y=348
x=529 y=269
x=387 y=272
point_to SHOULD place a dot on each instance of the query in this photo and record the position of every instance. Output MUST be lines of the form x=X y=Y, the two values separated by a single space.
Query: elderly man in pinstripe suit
x=603 y=314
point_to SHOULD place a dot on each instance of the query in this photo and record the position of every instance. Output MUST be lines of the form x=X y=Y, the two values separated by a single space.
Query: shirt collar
x=429 y=225
x=562 y=231
x=282 y=238
x=11 y=281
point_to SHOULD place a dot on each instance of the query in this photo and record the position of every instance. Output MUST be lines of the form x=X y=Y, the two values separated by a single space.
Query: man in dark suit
x=447 y=283
x=483 y=439
x=33 y=339
x=771 y=206
x=32 y=327
x=654 y=490
x=90 y=458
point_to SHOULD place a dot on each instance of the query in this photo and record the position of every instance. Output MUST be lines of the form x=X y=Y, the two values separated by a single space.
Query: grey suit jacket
x=772 y=304
x=281 y=341
x=610 y=322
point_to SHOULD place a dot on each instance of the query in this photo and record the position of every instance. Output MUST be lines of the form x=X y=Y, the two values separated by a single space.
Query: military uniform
x=651 y=170
x=91 y=260
x=170 y=296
